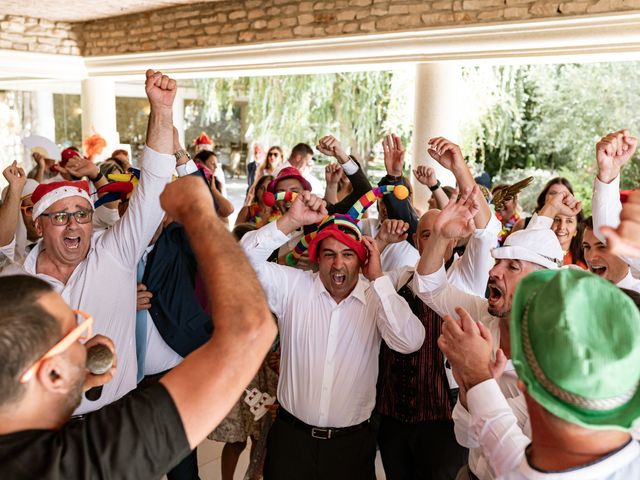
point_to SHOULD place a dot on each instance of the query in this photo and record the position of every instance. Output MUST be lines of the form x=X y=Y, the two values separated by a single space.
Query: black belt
x=321 y=433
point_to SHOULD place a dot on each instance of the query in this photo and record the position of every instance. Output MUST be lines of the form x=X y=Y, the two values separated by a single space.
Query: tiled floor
x=209 y=453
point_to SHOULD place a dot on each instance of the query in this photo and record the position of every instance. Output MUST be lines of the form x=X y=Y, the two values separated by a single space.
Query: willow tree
x=301 y=108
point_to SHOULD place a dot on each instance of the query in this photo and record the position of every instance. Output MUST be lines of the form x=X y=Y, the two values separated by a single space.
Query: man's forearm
x=432 y=255
x=160 y=130
x=209 y=381
x=9 y=216
x=465 y=180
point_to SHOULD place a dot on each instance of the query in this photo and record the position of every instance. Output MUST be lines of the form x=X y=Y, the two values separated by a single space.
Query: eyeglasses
x=81 y=332
x=273 y=154
x=27 y=209
x=60 y=219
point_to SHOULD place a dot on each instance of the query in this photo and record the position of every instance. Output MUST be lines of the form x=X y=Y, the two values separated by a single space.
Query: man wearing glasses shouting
x=95 y=271
x=145 y=433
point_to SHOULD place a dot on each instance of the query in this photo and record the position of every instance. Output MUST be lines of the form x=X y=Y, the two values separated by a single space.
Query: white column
x=99 y=112
x=45 y=124
x=436 y=114
x=178 y=116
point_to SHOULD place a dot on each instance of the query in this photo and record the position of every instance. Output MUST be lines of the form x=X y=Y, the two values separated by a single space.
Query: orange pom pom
x=401 y=192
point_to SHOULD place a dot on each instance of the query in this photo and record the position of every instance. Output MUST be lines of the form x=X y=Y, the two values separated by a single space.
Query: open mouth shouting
x=600 y=270
x=338 y=278
x=496 y=294
x=72 y=242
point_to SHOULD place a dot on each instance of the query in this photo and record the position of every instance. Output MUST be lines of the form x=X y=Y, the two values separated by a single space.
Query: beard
x=74 y=397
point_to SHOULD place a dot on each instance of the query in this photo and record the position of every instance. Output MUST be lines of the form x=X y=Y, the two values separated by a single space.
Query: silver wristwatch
x=181 y=153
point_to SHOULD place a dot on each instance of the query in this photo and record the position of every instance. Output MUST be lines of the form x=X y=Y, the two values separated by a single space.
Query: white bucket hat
x=539 y=246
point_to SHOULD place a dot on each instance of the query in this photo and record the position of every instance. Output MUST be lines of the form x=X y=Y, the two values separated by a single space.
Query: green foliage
x=301 y=108
x=550 y=117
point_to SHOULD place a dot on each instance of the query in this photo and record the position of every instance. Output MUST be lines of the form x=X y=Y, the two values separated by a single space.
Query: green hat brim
x=621 y=418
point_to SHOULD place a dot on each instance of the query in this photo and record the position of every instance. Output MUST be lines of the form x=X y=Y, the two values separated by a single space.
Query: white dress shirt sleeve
x=186 y=168
x=540 y=222
x=129 y=237
x=104 y=217
x=350 y=167
x=276 y=280
x=398 y=326
x=462 y=427
x=496 y=426
x=606 y=205
x=442 y=297
x=606 y=208
x=470 y=272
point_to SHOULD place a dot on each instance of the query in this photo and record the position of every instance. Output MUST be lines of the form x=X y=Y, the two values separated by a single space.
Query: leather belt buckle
x=321 y=433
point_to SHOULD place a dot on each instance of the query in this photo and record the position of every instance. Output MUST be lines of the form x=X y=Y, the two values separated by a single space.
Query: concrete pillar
x=99 y=112
x=178 y=116
x=45 y=123
x=437 y=111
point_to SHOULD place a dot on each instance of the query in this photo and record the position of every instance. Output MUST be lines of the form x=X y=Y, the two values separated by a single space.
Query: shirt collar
x=628 y=282
x=358 y=292
x=602 y=468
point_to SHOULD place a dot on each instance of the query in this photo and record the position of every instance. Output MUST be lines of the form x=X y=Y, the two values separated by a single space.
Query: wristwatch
x=435 y=187
x=181 y=153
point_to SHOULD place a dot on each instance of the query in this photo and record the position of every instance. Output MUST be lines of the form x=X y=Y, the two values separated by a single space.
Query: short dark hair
x=203 y=155
x=301 y=149
x=27 y=331
x=588 y=222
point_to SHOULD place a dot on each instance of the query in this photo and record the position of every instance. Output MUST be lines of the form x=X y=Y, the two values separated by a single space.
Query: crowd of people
x=467 y=341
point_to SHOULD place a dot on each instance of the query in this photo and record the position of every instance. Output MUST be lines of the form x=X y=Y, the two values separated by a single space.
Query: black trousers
x=293 y=454
x=420 y=451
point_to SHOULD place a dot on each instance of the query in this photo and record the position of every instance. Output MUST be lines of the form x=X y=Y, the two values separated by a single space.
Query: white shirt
x=629 y=282
x=329 y=358
x=443 y=297
x=104 y=284
x=621 y=465
x=496 y=420
x=159 y=357
x=606 y=207
x=394 y=256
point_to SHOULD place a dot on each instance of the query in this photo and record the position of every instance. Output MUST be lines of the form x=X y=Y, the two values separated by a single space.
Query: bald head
x=423 y=232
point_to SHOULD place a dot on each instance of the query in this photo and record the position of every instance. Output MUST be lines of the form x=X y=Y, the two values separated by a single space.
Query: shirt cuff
x=267 y=237
x=431 y=282
x=383 y=286
x=159 y=164
x=186 y=168
x=484 y=399
x=492 y=228
x=540 y=222
x=600 y=185
x=350 y=167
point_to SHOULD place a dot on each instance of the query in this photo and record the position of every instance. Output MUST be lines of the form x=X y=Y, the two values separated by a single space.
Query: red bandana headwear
x=335 y=226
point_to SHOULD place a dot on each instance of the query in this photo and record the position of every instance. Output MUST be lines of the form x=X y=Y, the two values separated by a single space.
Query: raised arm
x=278 y=280
x=427 y=176
x=10 y=208
x=129 y=237
x=483 y=416
x=208 y=382
x=331 y=146
x=430 y=282
x=612 y=153
x=394 y=163
x=449 y=155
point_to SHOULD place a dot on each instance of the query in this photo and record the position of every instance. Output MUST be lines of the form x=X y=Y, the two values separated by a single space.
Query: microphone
x=99 y=361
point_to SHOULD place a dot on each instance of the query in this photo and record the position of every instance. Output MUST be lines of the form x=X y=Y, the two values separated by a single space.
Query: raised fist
x=426 y=176
x=613 y=152
x=161 y=90
x=330 y=146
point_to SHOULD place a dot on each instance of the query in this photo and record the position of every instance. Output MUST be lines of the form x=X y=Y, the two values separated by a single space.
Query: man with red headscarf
x=331 y=325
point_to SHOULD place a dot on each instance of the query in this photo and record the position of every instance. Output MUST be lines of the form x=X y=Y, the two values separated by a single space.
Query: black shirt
x=138 y=437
